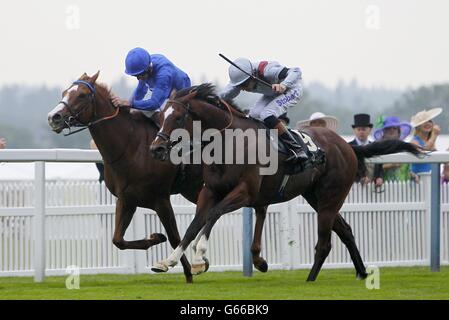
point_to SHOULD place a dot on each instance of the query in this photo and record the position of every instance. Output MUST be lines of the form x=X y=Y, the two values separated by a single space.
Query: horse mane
x=103 y=90
x=206 y=92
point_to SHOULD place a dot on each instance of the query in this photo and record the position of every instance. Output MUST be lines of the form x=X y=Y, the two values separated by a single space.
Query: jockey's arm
x=293 y=76
x=141 y=90
x=281 y=77
x=229 y=92
x=161 y=91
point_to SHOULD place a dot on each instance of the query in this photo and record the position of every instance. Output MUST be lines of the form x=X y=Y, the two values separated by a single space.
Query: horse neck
x=213 y=117
x=111 y=136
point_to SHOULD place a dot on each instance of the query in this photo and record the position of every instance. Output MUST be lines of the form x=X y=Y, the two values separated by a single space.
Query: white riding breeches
x=278 y=105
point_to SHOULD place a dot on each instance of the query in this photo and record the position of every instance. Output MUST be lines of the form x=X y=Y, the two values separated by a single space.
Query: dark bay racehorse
x=228 y=187
x=131 y=173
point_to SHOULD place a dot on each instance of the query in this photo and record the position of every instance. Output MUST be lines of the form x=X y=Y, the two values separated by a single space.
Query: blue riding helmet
x=137 y=61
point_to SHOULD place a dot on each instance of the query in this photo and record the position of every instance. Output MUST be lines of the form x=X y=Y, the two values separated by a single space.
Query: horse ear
x=191 y=94
x=84 y=76
x=95 y=77
x=172 y=94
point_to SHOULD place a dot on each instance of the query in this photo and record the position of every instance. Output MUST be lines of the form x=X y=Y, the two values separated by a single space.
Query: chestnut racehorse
x=131 y=173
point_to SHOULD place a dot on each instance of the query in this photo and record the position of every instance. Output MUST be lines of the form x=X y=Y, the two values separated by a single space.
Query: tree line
x=24 y=109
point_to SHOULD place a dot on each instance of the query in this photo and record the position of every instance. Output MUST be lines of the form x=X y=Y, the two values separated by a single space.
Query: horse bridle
x=164 y=136
x=74 y=121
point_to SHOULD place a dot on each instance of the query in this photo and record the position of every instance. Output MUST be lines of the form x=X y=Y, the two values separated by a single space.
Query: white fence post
x=427 y=186
x=286 y=237
x=293 y=243
x=39 y=222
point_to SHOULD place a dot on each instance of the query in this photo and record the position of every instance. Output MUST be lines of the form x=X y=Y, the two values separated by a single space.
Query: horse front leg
x=205 y=202
x=165 y=212
x=234 y=200
x=124 y=212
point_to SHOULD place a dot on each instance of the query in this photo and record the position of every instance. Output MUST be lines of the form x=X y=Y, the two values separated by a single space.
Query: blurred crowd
x=422 y=130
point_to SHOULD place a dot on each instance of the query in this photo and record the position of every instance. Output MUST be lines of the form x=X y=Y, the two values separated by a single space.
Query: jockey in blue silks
x=156 y=74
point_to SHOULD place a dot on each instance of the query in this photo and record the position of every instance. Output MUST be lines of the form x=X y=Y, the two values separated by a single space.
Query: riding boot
x=297 y=150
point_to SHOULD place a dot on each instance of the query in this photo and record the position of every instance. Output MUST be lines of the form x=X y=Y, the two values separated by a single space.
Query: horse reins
x=165 y=137
x=74 y=115
x=189 y=109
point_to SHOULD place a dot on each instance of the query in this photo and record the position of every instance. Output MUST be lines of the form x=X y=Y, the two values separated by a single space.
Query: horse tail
x=380 y=148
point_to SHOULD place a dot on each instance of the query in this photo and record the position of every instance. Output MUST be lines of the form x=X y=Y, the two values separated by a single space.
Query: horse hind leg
x=200 y=263
x=323 y=246
x=344 y=232
x=234 y=200
x=259 y=262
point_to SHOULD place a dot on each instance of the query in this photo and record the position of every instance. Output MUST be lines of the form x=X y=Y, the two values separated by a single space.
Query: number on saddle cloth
x=317 y=155
x=311 y=146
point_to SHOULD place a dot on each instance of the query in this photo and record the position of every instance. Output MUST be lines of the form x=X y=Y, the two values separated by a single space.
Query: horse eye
x=82 y=95
x=180 y=121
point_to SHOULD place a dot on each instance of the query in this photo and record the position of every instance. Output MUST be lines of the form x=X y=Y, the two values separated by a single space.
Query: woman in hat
x=392 y=128
x=425 y=135
x=319 y=119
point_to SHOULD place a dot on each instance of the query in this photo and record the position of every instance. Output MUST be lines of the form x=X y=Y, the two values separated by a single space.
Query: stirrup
x=297 y=157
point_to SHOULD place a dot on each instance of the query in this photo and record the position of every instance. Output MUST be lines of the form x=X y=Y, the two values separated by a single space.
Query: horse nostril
x=56 y=118
x=158 y=151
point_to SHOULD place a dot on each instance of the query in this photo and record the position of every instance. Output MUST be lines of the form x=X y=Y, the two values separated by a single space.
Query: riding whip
x=252 y=76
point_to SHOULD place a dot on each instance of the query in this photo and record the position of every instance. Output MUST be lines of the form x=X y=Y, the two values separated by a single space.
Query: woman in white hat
x=319 y=119
x=425 y=135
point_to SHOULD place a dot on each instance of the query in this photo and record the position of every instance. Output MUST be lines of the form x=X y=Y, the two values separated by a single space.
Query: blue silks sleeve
x=140 y=92
x=161 y=91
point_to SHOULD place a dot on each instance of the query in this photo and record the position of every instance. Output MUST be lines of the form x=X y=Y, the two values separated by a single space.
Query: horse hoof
x=262 y=266
x=159 y=267
x=157 y=237
x=362 y=276
x=198 y=268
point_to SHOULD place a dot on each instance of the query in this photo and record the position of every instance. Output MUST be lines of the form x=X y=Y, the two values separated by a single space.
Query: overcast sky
x=391 y=43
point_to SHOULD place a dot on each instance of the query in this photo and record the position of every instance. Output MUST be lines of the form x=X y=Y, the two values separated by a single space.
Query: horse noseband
x=163 y=136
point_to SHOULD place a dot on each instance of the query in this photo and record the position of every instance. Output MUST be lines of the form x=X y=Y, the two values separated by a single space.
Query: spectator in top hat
x=362 y=129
